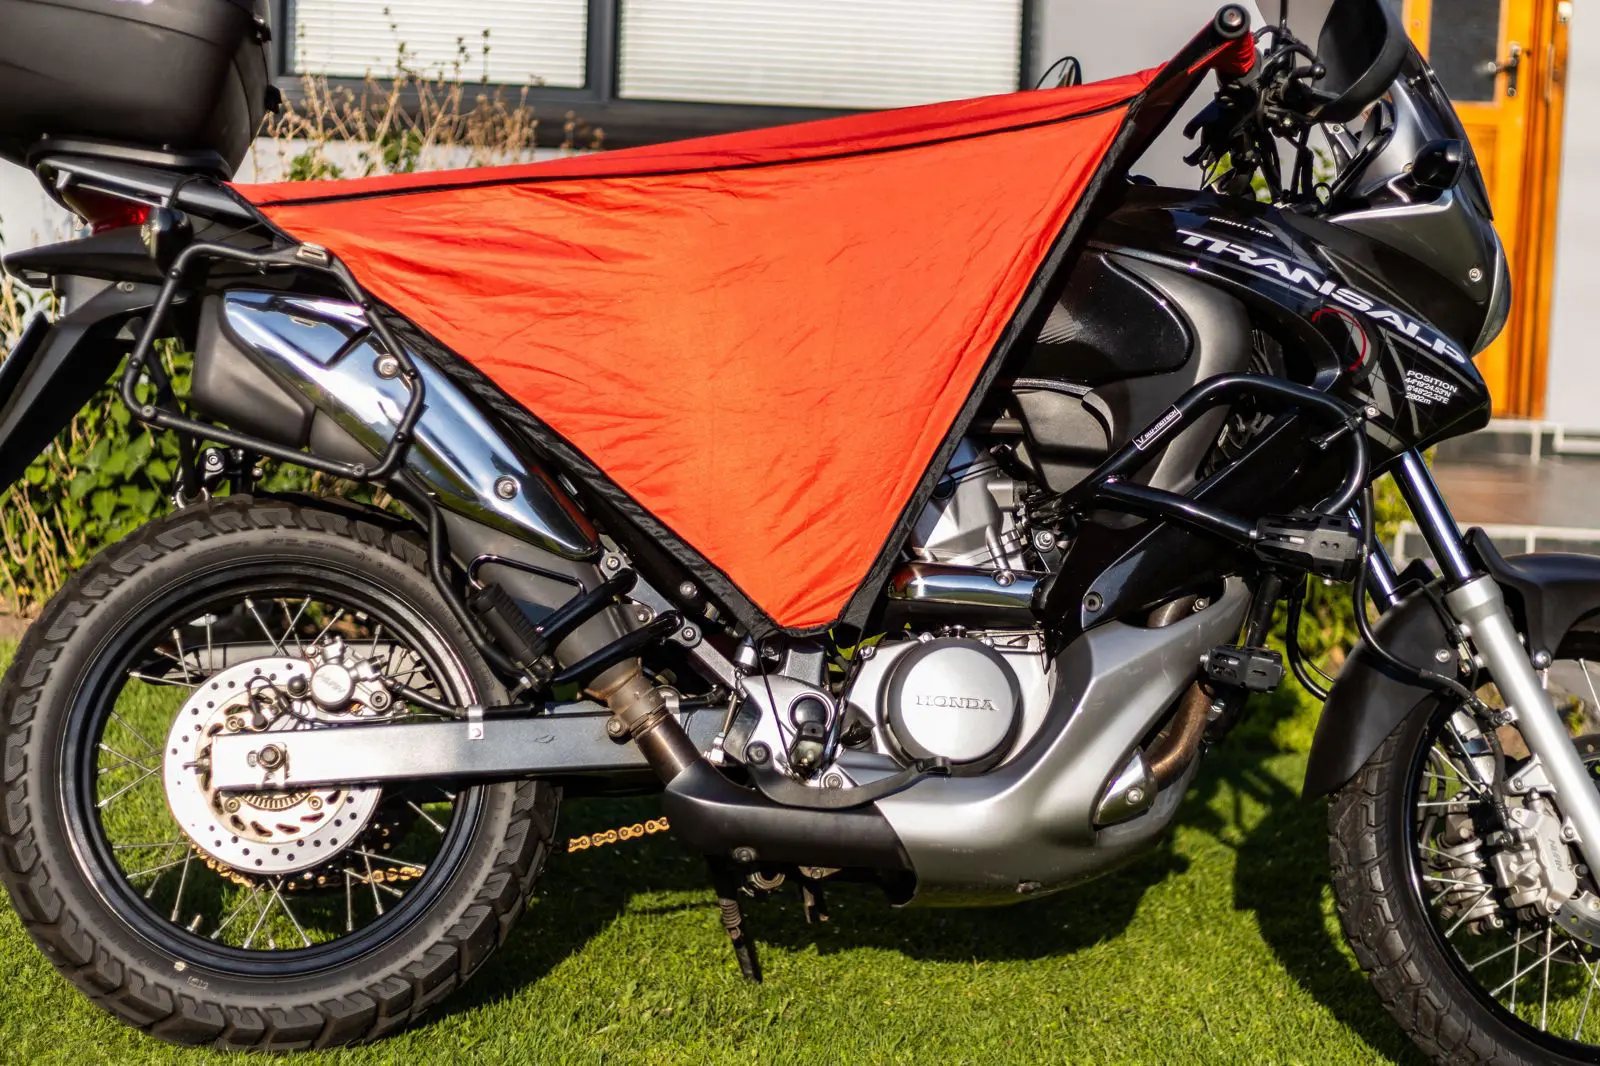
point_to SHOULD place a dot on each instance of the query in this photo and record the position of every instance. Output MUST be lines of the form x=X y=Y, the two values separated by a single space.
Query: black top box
x=168 y=75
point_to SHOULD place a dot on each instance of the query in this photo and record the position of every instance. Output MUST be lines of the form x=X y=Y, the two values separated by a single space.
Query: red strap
x=1236 y=58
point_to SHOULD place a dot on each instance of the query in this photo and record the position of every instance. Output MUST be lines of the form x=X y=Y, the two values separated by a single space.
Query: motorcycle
x=958 y=621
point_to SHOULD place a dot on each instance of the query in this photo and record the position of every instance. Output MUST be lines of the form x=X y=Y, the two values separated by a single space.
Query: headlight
x=1499 y=300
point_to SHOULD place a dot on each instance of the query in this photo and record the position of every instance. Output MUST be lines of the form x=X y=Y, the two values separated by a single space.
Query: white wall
x=1573 y=393
x=27 y=216
x=1123 y=37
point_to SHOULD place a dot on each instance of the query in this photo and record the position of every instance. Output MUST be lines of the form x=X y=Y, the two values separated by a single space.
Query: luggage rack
x=497 y=628
x=309 y=257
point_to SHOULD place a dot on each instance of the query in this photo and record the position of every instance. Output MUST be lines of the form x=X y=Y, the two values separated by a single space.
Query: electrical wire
x=1358 y=596
x=1291 y=643
x=1071 y=74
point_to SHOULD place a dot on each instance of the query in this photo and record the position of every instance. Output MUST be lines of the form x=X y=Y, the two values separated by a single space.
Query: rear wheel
x=255 y=920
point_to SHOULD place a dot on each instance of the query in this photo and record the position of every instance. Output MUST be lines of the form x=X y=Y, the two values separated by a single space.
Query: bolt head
x=868 y=650
x=1093 y=602
x=506 y=488
x=614 y=727
x=230 y=805
x=687 y=590
x=833 y=781
x=386 y=366
x=759 y=754
x=1475 y=275
x=689 y=633
x=744 y=854
x=613 y=563
x=1135 y=796
x=1541 y=659
x=1442 y=655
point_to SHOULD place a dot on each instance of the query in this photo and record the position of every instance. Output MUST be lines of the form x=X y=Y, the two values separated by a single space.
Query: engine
x=969 y=680
x=973 y=699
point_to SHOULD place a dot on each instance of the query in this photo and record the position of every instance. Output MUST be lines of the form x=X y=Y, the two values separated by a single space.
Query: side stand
x=726 y=883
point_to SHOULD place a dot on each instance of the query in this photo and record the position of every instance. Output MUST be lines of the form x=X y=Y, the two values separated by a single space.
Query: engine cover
x=952 y=698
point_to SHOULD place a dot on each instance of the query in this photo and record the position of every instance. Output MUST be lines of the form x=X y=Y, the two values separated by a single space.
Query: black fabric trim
x=1051 y=273
x=489 y=183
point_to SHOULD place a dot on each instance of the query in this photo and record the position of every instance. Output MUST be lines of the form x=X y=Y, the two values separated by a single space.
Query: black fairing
x=1371 y=324
x=1363 y=321
x=1548 y=595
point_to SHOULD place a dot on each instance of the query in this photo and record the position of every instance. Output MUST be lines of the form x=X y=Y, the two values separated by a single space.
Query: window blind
x=824 y=53
x=516 y=42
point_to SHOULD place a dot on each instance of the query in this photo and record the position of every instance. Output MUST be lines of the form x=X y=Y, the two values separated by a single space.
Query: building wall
x=1116 y=38
x=1573 y=393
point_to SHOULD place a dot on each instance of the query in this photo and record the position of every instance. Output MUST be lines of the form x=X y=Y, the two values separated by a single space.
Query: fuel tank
x=1127 y=336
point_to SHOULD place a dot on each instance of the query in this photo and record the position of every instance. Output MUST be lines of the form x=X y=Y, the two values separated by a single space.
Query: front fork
x=1475 y=602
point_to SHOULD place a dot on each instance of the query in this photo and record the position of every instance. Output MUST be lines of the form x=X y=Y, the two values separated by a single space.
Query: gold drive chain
x=614 y=836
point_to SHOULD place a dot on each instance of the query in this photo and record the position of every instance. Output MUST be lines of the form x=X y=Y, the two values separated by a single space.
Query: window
x=823 y=53
x=504 y=41
x=650 y=70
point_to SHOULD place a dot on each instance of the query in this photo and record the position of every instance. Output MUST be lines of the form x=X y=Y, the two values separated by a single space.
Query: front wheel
x=1476 y=924
x=252 y=920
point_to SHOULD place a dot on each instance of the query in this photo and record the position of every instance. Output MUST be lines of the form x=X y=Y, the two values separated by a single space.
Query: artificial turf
x=1220 y=947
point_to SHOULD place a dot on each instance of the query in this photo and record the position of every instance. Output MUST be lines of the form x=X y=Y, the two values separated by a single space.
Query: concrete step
x=1532 y=486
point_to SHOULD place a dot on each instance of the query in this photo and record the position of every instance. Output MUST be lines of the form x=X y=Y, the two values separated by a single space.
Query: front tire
x=113 y=940
x=1443 y=983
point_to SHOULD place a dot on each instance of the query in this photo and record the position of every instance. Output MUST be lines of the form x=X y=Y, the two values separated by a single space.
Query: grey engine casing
x=974 y=700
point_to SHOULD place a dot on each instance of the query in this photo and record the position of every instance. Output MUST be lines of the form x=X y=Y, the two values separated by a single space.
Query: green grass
x=1220 y=947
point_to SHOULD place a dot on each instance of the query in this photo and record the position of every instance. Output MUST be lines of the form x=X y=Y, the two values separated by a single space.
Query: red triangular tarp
x=763 y=338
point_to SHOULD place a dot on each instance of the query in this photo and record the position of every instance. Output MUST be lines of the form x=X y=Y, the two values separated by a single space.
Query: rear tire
x=268 y=1000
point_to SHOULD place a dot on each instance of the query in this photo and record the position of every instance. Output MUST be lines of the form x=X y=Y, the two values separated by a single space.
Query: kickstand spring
x=732 y=915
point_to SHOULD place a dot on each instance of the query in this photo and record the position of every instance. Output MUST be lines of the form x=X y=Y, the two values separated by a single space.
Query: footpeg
x=1253 y=669
x=1325 y=545
x=511 y=627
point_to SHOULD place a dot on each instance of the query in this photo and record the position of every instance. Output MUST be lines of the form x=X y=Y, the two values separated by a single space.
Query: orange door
x=1501 y=63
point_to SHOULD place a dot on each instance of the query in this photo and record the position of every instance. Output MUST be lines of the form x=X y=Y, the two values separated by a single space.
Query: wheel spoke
x=1517 y=974
x=426 y=817
x=250 y=605
x=157 y=870
x=266 y=908
x=127 y=760
x=1450 y=932
x=1577 y=1033
x=1544 y=999
x=294 y=622
x=1497 y=954
x=183 y=656
x=1583 y=665
x=399 y=863
x=340 y=613
x=283 y=905
x=183 y=881
x=240 y=909
x=150 y=680
x=125 y=788
x=152 y=844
